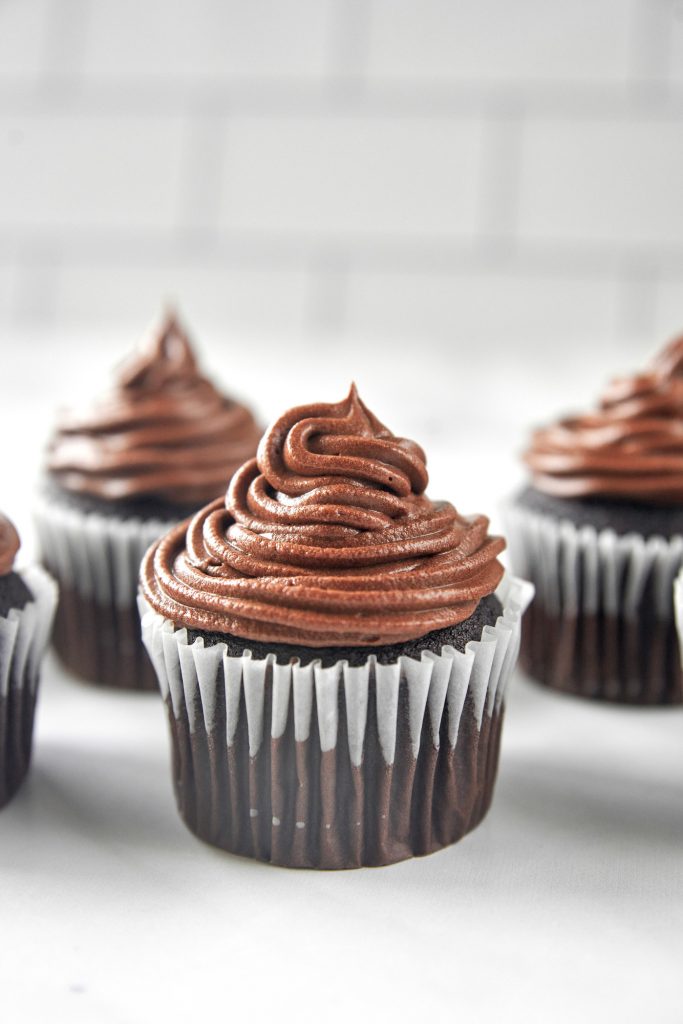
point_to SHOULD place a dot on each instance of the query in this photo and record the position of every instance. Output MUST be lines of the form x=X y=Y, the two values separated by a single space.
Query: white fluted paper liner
x=189 y=674
x=25 y=632
x=678 y=609
x=622 y=584
x=99 y=556
x=578 y=568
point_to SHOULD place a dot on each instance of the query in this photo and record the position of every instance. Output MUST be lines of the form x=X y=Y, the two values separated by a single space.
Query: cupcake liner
x=336 y=767
x=678 y=610
x=24 y=634
x=96 y=560
x=602 y=624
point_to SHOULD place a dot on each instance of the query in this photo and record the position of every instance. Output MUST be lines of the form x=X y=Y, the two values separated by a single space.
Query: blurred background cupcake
x=158 y=445
x=27 y=605
x=333 y=648
x=600 y=533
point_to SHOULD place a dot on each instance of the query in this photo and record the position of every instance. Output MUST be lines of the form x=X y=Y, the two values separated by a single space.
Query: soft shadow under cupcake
x=611 y=812
x=105 y=798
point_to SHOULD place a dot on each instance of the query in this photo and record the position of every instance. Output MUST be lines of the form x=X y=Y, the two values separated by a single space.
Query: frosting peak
x=325 y=539
x=631 y=447
x=669 y=362
x=9 y=545
x=165 y=358
x=162 y=432
x=335 y=464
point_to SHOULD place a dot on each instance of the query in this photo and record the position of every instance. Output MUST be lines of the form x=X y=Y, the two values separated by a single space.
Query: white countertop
x=565 y=905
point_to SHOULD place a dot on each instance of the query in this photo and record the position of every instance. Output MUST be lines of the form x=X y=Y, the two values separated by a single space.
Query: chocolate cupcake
x=600 y=533
x=159 y=445
x=27 y=604
x=333 y=649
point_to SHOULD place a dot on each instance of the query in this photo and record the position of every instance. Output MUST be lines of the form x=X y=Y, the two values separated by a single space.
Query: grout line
x=338 y=95
x=418 y=253
x=651 y=26
x=329 y=287
x=202 y=168
x=499 y=178
x=347 y=47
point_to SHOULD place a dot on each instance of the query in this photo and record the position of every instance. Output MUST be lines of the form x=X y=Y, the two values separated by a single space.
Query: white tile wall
x=415 y=168
x=676 y=43
x=516 y=313
x=496 y=40
x=351 y=176
x=205 y=295
x=72 y=172
x=669 y=321
x=603 y=181
x=8 y=292
x=24 y=28
x=208 y=39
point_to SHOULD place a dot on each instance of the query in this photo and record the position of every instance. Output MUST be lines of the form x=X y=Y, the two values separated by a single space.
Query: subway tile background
x=424 y=171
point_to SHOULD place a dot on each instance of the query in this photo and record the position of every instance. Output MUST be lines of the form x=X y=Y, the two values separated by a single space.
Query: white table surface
x=565 y=905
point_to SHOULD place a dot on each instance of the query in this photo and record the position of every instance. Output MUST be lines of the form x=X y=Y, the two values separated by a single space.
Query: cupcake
x=599 y=531
x=333 y=649
x=154 y=449
x=27 y=604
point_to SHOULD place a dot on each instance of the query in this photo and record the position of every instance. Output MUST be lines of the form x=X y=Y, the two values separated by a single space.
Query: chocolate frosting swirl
x=9 y=545
x=326 y=539
x=163 y=431
x=630 y=448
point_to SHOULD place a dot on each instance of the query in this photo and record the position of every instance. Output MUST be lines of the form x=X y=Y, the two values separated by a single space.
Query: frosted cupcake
x=600 y=534
x=161 y=443
x=27 y=604
x=333 y=649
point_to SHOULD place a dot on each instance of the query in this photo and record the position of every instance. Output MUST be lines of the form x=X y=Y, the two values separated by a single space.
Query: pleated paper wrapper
x=96 y=560
x=602 y=623
x=678 y=611
x=24 y=635
x=338 y=767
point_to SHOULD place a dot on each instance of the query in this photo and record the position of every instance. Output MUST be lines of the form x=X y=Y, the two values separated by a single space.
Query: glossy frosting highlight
x=326 y=539
x=630 y=448
x=162 y=432
x=9 y=545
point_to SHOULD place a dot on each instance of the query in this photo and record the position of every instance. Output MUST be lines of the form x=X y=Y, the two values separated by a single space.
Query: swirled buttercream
x=327 y=538
x=630 y=448
x=163 y=431
x=9 y=545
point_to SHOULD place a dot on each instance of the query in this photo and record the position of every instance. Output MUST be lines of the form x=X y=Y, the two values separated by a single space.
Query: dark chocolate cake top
x=14 y=592
x=630 y=448
x=327 y=538
x=163 y=431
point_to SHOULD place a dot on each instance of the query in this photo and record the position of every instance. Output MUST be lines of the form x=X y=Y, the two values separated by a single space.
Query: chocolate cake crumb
x=603 y=513
x=139 y=508
x=458 y=636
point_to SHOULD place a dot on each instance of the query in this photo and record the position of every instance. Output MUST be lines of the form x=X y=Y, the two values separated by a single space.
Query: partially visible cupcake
x=27 y=604
x=600 y=533
x=678 y=611
x=333 y=649
x=161 y=443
